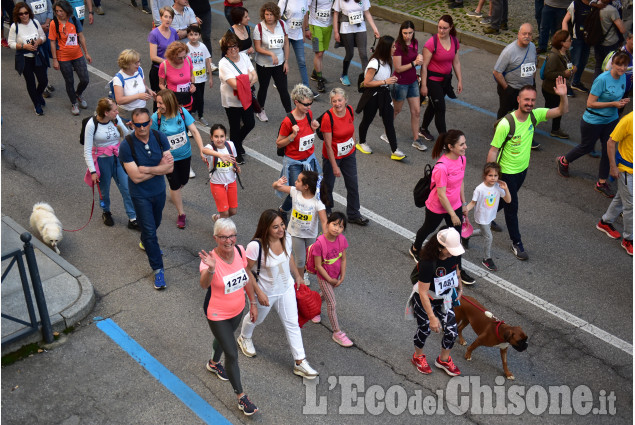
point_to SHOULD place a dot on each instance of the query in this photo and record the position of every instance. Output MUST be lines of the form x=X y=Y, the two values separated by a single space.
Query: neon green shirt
x=515 y=156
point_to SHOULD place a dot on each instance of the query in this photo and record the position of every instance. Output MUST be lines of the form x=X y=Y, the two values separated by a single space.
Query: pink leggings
x=326 y=290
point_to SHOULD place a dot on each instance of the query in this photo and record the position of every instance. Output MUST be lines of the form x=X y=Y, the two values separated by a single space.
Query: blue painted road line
x=460 y=102
x=169 y=380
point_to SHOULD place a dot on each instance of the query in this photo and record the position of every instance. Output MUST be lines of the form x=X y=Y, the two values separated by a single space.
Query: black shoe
x=540 y=50
x=146 y=10
x=240 y=160
x=466 y=278
x=314 y=76
x=320 y=85
x=50 y=88
x=107 y=217
x=495 y=227
x=519 y=251
x=46 y=93
x=535 y=146
x=491 y=30
x=504 y=26
x=362 y=221
x=133 y=3
x=414 y=253
x=579 y=87
x=423 y=132
x=489 y=264
x=134 y=225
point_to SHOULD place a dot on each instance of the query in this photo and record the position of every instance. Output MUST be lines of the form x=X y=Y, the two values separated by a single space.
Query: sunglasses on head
x=141 y=124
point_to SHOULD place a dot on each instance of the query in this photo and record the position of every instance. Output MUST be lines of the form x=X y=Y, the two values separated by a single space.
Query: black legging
x=265 y=73
x=30 y=73
x=436 y=106
x=387 y=115
x=431 y=223
x=237 y=133
x=223 y=331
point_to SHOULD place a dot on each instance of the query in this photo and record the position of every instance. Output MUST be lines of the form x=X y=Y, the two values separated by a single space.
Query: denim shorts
x=400 y=92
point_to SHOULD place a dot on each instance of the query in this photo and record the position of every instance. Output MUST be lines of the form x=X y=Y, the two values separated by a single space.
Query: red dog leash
x=92 y=208
x=494 y=318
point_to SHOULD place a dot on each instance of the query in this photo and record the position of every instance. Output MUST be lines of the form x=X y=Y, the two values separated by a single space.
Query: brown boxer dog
x=491 y=331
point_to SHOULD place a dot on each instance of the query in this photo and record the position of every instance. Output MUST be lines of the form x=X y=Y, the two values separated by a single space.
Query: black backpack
x=424 y=186
x=309 y=117
x=593 y=33
x=82 y=133
x=318 y=132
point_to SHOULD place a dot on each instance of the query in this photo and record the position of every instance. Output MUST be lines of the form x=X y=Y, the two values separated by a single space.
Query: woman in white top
x=131 y=91
x=102 y=137
x=349 y=29
x=272 y=50
x=270 y=254
x=25 y=37
x=231 y=66
x=294 y=13
x=377 y=78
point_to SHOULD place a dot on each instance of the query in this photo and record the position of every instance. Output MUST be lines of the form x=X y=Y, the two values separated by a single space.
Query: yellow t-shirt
x=623 y=135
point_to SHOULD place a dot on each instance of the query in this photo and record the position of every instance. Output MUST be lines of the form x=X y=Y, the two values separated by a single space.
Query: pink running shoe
x=317 y=319
x=341 y=338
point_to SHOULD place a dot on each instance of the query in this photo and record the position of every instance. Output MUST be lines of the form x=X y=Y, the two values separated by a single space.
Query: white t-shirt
x=133 y=84
x=227 y=71
x=355 y=12
x=303 y=222
x=224 y=173
x=272 y=41
x=275 y=276
x=487 y=199
x=294 y=17
x=183 y=20
x=320 y=13
x=199 y=55
x=383 y=70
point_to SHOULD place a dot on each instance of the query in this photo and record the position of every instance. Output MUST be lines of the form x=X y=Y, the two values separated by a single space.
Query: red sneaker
x=628 y=246
x=422 y=364
x=449 y=367
x=180 y=221
x=608 y=229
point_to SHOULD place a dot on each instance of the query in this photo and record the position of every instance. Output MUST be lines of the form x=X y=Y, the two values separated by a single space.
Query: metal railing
x=34 y=273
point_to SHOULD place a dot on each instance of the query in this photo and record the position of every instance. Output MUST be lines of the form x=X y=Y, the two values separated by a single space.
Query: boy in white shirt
x=202 y=62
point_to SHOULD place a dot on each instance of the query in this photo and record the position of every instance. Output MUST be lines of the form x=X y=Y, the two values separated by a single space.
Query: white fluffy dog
x=43 y=220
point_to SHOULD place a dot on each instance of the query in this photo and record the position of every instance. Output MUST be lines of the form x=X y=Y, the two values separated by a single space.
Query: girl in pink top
x=224 y=276
x=440 y=56
x=447 y=197
x=329 y=252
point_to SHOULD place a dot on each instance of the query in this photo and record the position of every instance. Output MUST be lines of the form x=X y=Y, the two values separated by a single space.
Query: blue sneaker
x=159 y=280
x=38 y=110
x=345 y=81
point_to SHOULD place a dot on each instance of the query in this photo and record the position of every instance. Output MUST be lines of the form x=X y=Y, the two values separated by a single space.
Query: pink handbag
x=466 y=228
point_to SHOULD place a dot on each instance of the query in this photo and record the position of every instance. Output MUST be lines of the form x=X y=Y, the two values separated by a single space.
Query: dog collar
x=498 y=325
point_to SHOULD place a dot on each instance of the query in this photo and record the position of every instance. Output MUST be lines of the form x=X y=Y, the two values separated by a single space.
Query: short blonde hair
x=166 y=9
x=301 y=92
x=127 y=58
x=337 y=91
x=174 y=49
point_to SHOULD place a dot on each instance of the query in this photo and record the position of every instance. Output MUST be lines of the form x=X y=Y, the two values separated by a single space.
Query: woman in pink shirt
x=446 y=201
x=176 y=73
x=224 y=276
x=440 y=56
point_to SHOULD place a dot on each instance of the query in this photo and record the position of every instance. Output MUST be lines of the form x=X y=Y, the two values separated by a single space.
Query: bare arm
x=456 y=64
x=82 y=44
x=153 y=54
x=492 y=154
x=500 y=79
x=443 y=199
x=328 y=139
x=371 y=22
x=610 y=151
x=427 y=56
x=592 y=102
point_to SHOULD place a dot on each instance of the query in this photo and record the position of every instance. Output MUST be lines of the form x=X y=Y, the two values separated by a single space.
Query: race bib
x=71 y=40
x=276 y=42
x=31 y=39
x=442 y=284
x=346 y=147
x=39 y=7
x=199 y=73
x=527 y=70
x=183 y=88
x=301 y=220
x=79 y=10
x=177 y=140
x=569 y=66
x=306 y=142
x=356 y=17
x=235 y=281
x=323 y=15
x=295 y=24
x=302 y=217
x=223 y=167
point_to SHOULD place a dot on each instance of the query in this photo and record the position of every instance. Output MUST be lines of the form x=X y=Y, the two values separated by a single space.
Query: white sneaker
x=262 y=116
x=192 y=173
x=75 y=109
x=418 y=145
x=304 y=369
x=213 y=67
x=246 y=346
x=364 y=148
x=307 y=276
x=384 y=138
x=397 y=155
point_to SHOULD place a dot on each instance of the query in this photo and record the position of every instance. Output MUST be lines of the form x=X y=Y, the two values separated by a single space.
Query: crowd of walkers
x=134 y=146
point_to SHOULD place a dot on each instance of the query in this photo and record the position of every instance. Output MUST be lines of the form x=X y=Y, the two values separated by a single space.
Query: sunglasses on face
x=141 y=124
x=305 y=104
x=23 y=13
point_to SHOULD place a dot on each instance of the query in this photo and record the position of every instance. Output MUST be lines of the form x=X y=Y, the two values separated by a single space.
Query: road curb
x=72 y=314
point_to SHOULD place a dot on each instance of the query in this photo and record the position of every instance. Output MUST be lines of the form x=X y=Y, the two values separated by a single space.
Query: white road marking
x=471 y=267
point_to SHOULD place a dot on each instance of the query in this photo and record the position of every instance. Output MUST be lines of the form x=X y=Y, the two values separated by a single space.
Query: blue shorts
x=400 y=92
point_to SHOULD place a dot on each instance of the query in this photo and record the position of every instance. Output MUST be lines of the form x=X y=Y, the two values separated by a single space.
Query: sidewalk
x=69 y=294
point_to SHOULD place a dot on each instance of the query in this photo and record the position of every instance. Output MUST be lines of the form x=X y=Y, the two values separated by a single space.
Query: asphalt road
x=573 y=297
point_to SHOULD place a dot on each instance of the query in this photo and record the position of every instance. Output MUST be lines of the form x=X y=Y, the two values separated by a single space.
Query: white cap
x=451 y=240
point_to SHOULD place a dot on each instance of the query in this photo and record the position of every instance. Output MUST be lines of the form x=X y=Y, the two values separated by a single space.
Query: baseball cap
x=451 y=240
